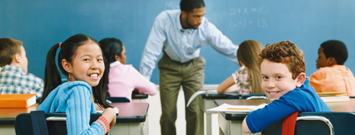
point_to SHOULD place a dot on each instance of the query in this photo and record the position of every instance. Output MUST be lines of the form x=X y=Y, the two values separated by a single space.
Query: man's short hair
x=8 y=48
x=285 y=52
x=335 y=49
x=189 y=5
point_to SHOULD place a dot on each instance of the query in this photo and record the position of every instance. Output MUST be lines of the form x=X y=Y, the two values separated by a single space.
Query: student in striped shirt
x=14 y=78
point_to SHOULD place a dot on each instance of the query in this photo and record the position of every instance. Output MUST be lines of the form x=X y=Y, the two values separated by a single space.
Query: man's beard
x=189 y=24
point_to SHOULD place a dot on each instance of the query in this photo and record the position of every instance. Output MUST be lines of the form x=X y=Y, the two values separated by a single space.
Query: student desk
x=140 y=98
x=130 y=120
x=207 y=103
x=231 y=123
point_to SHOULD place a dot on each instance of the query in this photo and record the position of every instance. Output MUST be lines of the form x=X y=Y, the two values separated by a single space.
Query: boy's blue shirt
x=303 y=99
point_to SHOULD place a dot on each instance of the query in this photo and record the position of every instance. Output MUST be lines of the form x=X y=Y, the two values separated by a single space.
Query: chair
x=23 y=123
x=118 y=99
x=315 y=123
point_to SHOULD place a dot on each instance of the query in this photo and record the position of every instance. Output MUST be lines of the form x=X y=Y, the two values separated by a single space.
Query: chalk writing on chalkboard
x=169 y=5
x=239 y=18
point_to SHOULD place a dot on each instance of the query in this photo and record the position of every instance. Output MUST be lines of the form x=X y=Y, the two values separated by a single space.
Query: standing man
x=181 y=34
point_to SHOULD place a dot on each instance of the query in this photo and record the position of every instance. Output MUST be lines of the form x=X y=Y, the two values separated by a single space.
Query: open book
x=236 y=108
x=206 y=92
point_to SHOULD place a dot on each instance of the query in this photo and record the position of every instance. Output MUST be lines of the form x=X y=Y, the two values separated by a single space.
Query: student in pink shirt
x=123 y=79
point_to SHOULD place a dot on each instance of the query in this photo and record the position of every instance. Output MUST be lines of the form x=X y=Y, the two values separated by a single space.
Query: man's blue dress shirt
x=180 y=44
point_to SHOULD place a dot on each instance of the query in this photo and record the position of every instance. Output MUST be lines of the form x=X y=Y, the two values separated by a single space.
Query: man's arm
x=221 y=43
x=153 y=48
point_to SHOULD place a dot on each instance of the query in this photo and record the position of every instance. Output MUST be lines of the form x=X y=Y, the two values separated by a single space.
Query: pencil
x=238 y=109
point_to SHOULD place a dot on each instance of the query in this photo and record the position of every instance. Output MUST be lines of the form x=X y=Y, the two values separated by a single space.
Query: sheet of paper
x=115 y=109
x=236 y=108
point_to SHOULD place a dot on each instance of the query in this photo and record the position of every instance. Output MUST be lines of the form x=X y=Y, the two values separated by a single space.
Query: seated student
x=123 y=79
x=14 y=78
x=332 y=75
x=247 y=78
x=80 y=59
x=282 y=68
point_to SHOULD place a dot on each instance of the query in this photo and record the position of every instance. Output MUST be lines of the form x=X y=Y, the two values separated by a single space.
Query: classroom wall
x=40 y=24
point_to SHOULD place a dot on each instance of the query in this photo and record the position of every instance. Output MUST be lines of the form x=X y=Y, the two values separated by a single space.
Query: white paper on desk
x=56 y=118
x=115 y=109
x=223 y=108
x=205 y=92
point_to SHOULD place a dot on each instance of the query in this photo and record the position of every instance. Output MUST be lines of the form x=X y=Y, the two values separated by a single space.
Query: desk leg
x=208 y=123
x=7 y=130
x=237 y=127
x=207 y=104
x=234 y=127
x=223 y=125
x=220 y=132
x=201 y=115
x=128 y=129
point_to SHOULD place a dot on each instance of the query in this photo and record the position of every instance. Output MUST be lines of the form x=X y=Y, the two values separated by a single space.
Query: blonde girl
x=247 y=78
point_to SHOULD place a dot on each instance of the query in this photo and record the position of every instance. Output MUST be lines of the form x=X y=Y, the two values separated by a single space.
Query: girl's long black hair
x=52 y=78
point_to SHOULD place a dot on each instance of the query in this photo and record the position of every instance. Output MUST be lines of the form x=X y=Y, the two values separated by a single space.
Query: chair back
x=56 y=123
x=318 y=123
x=118 y=99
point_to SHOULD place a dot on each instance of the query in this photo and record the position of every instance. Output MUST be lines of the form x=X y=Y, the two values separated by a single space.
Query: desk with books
x=130 y=120
x=230 y=123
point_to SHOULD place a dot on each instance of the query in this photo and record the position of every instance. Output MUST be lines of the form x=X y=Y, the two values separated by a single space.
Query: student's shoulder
x=75 y=86
x=123 y=68
x=322 y=72
x=330 y=69
x=34 y=78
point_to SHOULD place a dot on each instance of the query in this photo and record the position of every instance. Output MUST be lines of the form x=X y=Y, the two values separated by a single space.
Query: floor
x=154 y=113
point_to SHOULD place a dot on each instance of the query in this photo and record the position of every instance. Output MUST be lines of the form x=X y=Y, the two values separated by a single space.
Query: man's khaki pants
x=189 y=75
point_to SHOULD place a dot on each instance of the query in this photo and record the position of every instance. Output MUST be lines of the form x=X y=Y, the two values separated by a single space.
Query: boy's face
x=24 y=62
x=321 y=61
x=276 y=79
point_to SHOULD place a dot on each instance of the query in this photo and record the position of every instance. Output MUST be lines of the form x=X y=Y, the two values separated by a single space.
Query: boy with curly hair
x=332 y=75
x=284 y=81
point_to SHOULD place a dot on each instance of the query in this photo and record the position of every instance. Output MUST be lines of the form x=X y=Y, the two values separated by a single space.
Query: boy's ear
x=332 y=61
x=67 y=66
x=300 y=79
x=16 y=58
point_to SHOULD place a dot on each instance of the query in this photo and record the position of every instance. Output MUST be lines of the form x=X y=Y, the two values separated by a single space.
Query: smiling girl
x=80 y=59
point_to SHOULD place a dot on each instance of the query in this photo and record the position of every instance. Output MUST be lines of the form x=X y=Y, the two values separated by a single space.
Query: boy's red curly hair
x=285 y=52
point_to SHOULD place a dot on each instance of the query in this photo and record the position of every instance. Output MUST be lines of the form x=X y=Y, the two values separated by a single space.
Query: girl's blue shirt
x=74 y=99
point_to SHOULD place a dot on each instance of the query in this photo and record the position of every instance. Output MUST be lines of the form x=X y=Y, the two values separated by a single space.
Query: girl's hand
x=137 y=91
x=110 y=115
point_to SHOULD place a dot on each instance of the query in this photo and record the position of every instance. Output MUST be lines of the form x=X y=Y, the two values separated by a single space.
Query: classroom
x=40 y=24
